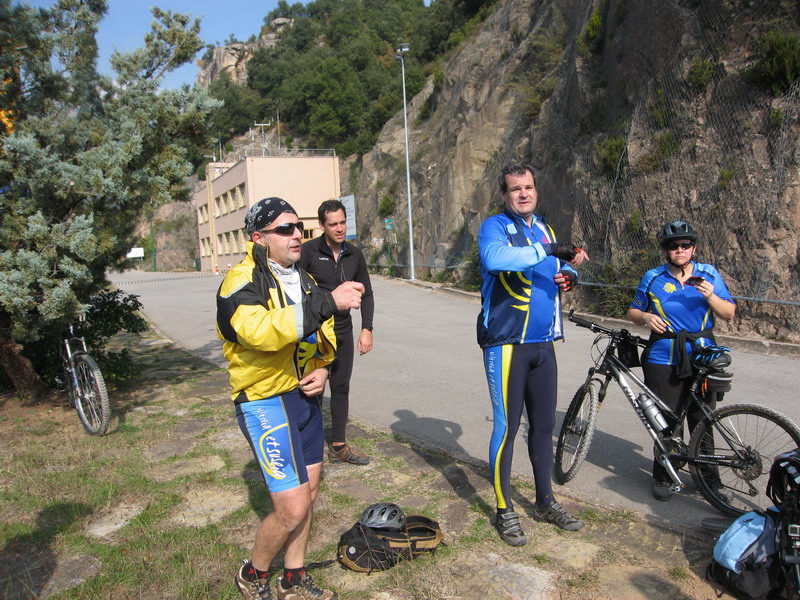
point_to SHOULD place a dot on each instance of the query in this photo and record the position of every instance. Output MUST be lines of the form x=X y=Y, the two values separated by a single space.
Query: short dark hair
x=329 y=206
x=515 y=168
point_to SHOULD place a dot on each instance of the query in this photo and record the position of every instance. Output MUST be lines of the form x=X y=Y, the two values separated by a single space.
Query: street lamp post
x=400 y=55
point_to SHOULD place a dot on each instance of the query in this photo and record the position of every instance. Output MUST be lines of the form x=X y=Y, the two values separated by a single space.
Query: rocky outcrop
x=704 y=145
x=232 y=58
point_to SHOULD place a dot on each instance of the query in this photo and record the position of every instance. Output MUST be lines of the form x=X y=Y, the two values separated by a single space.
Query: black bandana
x=264 y=212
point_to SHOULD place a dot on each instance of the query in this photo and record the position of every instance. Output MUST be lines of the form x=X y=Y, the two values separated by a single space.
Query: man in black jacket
x=333 y=261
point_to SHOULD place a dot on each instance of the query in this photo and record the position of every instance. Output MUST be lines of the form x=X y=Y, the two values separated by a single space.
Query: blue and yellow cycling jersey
x=520 y=301
x=680 y=306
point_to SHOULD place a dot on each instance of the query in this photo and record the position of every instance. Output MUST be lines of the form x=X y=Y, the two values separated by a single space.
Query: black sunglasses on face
x=676 y=245
x=285 y=229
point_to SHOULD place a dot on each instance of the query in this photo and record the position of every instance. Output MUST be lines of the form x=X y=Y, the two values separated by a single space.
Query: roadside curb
x=753 y=346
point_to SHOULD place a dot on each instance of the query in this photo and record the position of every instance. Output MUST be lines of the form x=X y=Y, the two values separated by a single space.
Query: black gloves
x=565 y=252
x=570 y=279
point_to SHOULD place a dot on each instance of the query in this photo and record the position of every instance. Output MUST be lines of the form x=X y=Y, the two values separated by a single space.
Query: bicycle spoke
x=91 y=398
x=744 y=439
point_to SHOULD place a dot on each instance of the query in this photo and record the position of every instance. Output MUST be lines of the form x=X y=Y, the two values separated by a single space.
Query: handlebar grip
x=580 y=322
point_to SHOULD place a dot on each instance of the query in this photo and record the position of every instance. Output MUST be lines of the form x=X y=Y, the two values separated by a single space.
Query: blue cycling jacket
x=520 y=300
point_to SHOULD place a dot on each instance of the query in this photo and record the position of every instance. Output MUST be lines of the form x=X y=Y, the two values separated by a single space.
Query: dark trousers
x=675 y=393
x=339 y=381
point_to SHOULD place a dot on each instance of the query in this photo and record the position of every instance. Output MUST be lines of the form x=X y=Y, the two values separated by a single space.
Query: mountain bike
x=730 y=451
x=84 y=383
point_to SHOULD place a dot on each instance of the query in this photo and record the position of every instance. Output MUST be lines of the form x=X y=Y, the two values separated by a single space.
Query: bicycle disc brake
x=752 y=468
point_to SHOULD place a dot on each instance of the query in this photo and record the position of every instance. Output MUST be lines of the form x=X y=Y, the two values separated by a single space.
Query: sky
x=127 y=22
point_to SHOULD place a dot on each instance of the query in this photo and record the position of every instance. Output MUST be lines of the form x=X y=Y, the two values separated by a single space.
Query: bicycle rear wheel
x=91 y=400
x=576 y=433
x=747 y=437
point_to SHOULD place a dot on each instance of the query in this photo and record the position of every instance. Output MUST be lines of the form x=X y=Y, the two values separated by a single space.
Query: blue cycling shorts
x=285 y=434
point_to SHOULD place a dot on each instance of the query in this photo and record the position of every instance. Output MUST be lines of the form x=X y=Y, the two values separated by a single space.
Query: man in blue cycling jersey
x=524 y=270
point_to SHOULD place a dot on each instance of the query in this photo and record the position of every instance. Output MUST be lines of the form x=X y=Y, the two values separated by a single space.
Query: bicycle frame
x=611 y=367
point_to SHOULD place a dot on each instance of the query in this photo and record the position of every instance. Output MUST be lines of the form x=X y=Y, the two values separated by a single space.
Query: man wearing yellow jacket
x=277 y=325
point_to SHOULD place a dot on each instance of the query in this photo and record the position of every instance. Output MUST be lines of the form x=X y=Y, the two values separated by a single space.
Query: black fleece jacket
x=317 y=258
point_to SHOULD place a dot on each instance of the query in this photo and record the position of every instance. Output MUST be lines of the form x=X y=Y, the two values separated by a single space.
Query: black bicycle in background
x=730 y=451
x=84 y=383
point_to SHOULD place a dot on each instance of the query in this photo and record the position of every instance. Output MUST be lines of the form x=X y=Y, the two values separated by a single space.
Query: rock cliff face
x=645 y=118
x=232 y=58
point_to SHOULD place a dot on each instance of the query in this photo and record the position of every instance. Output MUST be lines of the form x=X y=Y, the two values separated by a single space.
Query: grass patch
x=678 y=573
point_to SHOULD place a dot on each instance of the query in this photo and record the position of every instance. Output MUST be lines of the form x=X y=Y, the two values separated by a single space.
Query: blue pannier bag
x=745 y=563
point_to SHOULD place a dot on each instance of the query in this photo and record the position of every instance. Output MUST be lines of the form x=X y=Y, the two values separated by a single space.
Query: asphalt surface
x=425 y=380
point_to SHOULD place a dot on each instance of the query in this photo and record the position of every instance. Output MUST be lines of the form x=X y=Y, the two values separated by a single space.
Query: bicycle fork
x=71 y=372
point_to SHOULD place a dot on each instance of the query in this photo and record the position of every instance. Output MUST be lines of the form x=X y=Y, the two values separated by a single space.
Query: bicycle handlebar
x=619 y=333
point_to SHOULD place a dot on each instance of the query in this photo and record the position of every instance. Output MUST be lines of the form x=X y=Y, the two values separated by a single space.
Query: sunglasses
x=676 y=245
x=285 y=229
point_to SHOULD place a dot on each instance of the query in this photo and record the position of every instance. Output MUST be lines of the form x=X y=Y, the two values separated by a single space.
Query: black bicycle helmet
x=676 y=230
x=383 y=516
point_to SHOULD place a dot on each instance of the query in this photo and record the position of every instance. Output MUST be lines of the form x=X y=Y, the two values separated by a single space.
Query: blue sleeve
x=497 y=255
x=640 y=300
x=720 y=289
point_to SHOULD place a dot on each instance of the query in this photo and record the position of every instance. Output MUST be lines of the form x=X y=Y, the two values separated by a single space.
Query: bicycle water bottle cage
x=713 y=358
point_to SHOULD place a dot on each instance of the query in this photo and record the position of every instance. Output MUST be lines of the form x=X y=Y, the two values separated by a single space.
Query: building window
x=239 y=196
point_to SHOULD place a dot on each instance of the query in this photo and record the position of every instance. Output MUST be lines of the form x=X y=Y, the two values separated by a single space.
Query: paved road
x=425 y=379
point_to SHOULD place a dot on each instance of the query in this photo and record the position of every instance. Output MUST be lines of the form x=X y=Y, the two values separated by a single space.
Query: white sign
x=350 y=208
x=136 y=253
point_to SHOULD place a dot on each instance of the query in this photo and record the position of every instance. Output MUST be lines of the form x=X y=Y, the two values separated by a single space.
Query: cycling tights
x=522 y=376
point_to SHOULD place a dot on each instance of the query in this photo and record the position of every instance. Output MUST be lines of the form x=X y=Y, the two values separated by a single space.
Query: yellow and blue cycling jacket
x=271 y=343
x=520 y=300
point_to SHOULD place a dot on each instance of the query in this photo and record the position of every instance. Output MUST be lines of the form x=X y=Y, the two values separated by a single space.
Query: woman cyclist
x=678 y=301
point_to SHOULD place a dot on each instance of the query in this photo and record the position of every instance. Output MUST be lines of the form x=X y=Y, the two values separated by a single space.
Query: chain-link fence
x=708 y=147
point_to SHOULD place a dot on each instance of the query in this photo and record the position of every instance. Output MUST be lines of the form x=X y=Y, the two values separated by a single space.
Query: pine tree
x=82 y=158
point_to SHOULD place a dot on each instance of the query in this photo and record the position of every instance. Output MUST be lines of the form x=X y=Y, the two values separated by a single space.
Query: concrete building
x=231 y=189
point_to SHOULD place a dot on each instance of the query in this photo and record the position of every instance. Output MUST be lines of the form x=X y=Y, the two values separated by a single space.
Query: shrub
x=627 y=272
x=776 y=117
x=438 y=78
x=660 y=111
x=590 y=40
x=609 y=152
x=725 y=177
x=700 y=73
x=471 y=280
x=387 y=205
x=664 y=145
x=777 y=57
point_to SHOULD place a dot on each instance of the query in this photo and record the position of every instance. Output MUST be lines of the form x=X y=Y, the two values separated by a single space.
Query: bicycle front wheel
x=744 y=439
x=91 y=398
x=576 y=433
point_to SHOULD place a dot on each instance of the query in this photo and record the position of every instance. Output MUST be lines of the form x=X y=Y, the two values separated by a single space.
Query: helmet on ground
x=383 y=516
x=676 y=230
